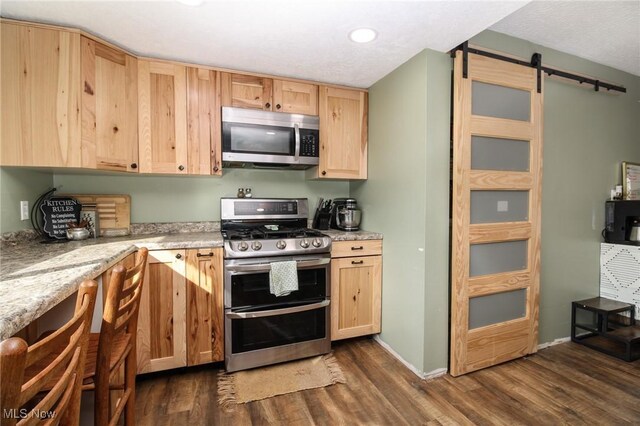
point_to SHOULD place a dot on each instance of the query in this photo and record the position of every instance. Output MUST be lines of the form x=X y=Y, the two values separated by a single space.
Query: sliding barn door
x=497 y=171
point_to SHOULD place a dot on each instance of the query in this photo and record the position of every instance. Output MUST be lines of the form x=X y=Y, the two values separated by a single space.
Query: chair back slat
x=53 y=369
x=68 y=346
x=119 y=321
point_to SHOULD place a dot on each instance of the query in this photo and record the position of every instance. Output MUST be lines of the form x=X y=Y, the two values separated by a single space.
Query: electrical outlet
x=24 y=210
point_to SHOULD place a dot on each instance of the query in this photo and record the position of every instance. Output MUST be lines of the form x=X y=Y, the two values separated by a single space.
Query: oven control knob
x=316 y=242
x=281 y=244
x=304 y=243
x=243 y=246
x=256 y=245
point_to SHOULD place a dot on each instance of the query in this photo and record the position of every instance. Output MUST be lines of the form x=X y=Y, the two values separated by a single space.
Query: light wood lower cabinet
x=205 y=326
x=180 y=320
x=356 y=292
x=162 y=342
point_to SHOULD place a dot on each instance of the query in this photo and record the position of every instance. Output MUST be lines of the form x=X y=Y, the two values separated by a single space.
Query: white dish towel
x=283 y=278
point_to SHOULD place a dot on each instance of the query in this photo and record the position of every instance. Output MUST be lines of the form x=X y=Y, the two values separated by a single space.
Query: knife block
x=321 y=220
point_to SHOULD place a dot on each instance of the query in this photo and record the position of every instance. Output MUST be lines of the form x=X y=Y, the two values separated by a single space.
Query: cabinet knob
x=324 y=173
x=267 y=105
x=216 y=168
x=181 y=167
x=134 y=165
x=278 y=106
x=178 y=256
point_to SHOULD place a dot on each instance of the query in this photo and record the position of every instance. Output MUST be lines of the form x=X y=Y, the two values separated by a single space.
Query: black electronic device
x=620 y=218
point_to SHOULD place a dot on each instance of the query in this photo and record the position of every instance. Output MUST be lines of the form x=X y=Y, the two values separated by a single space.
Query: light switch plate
x=503 y=206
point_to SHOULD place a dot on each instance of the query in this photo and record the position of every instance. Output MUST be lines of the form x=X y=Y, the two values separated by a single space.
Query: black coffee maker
x=622 y=220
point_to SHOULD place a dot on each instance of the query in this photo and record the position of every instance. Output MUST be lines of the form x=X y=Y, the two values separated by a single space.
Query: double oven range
x=260 y=328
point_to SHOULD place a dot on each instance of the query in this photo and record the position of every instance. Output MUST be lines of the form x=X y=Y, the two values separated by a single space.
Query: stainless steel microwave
x=255 y=138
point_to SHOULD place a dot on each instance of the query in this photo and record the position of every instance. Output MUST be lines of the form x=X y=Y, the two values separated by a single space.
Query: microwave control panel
x=309 y=143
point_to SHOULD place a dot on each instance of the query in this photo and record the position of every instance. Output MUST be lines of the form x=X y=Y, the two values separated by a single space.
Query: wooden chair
x=22 y=398
x=115 y=345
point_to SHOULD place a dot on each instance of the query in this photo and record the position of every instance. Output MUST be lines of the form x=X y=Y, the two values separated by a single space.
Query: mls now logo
x=21 y=413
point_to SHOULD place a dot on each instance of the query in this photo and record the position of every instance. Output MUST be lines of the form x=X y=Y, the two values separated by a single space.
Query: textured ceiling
x=607 y=32
x=304 y=39
x=308 y=39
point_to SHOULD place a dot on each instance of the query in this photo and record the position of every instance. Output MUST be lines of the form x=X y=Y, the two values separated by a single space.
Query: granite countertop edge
x=29 y=289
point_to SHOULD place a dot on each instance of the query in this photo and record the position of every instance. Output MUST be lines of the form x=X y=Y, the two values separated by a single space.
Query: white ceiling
x=308 y=39
x=607 y=32
x=304 y=39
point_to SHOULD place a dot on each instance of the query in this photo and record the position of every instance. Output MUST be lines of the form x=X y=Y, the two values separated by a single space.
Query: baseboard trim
x=429 y=375
x=555 y=342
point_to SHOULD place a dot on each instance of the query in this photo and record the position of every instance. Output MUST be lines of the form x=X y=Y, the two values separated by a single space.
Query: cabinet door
x=162 y=117
x=294 y=97
x=356 y=287
x=205 y=326
x=246 y=91
x=40 y=100
x=343 y=134
x=109 y=108
x=161 y=340
x=203 y=122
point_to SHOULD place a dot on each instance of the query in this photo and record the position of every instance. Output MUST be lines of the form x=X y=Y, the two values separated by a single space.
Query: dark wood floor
x=567 y=383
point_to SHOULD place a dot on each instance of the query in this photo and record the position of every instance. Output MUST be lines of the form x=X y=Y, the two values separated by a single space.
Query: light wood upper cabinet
x=161 y=343
x=356 y=289
x=294 y=97
x=205 y=325
x=40 y=100
x=246 y=91
x=203 y=122
x=343 y=134
x=109 y=108
x=162 y=117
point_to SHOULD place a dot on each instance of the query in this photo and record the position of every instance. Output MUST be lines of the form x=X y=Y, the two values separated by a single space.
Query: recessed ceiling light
x=363 y=35
x=191 y=2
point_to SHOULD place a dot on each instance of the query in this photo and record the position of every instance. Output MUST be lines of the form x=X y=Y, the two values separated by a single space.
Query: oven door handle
x=274 y=312
x=266 y=266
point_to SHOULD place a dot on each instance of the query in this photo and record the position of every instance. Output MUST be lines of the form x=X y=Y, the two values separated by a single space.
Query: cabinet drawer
x=356 y=248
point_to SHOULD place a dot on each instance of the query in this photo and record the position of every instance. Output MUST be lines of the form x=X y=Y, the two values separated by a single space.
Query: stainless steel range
x=261 y=328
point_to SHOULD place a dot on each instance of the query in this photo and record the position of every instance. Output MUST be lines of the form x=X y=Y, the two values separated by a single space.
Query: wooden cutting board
x=114 y=212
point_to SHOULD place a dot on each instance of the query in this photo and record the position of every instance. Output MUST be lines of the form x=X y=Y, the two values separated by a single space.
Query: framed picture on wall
x=630 y=181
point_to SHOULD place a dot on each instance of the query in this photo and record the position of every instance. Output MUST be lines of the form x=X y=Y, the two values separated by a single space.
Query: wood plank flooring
x=567 y=383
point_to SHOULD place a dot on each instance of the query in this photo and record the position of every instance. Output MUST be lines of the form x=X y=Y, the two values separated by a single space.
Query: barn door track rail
x=536 y=62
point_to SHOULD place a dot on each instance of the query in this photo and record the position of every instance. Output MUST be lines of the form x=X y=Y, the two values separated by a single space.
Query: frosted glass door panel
x=499 y=206
x=493 y=258
x=499 y=154
x=496 y=308
x=496 y=101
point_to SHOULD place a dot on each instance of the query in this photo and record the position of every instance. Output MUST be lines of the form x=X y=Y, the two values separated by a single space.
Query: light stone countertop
x=34 y=277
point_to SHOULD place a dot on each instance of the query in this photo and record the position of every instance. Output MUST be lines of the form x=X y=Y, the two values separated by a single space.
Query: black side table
x=610 y=331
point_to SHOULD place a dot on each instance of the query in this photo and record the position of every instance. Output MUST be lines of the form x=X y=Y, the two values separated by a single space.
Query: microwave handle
x=297 y=131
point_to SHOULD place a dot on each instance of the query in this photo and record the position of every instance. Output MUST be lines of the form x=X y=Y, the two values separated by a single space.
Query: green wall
x=394 y=203
x=197 y=198
x=586 y=137
x=20 y=185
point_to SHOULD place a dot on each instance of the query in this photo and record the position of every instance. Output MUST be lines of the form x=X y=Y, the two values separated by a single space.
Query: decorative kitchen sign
x=630 y=181
x=57 y=213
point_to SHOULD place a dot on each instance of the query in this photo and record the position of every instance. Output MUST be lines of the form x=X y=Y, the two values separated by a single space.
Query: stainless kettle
x=634 y=235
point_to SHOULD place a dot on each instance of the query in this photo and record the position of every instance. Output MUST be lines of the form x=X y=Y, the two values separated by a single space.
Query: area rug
x=260 y=383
